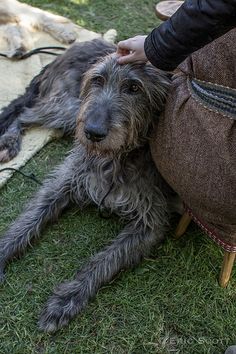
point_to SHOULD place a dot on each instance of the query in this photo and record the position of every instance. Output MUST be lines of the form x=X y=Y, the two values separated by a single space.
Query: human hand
x=131 y=50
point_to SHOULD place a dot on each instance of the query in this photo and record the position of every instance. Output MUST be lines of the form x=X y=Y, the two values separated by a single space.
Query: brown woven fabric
x=194 y=143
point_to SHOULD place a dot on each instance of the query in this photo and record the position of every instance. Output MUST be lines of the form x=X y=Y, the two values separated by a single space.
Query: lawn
x=171 y=303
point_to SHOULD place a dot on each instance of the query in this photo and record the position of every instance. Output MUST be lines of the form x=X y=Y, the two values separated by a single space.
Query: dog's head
x=118 y=105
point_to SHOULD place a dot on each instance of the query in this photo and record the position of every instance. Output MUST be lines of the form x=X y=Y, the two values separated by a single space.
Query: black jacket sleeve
x=195 y=24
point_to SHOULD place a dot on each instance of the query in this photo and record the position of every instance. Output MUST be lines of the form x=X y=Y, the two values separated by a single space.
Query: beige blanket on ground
x=15 y=76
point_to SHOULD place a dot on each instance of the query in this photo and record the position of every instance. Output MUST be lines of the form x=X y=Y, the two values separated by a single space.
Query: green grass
x=171 y=303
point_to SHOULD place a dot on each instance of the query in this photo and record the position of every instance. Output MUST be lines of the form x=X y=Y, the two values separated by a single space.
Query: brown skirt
x=194 y=142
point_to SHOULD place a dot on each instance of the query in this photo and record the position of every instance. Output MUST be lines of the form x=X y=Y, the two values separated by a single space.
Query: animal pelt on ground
x=111 y=109
x=20 y=20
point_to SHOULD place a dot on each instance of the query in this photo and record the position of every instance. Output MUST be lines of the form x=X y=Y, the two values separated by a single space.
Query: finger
x=126 y=59
x=124 y=45
x=121 y=51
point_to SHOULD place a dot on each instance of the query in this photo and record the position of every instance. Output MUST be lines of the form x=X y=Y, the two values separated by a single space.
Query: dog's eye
x=133 y=88
x=98 y=81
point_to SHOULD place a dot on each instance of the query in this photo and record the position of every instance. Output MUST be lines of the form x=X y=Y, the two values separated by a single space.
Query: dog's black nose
x=95 y=135
x=96 y=123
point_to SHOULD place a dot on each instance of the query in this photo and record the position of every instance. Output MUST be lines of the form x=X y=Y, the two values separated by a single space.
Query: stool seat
x=165 y=9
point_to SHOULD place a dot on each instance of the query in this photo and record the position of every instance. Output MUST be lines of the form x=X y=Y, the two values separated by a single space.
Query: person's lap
x=194 y=143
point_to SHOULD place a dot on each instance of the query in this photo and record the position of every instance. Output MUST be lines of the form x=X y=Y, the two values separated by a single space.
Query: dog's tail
x=10 y=113
x=10 y=125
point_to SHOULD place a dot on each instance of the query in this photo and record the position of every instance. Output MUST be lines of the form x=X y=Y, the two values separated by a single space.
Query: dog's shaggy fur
x=20 y=20
x=110 y=165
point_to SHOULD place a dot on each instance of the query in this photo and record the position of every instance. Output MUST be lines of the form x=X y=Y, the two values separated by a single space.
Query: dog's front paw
x=61 y=307
x=55 y=315
x=9 y=146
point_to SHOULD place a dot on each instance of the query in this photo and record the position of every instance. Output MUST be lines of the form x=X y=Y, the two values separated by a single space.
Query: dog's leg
x=56 y=112
x=46 y=206
x=69 y=298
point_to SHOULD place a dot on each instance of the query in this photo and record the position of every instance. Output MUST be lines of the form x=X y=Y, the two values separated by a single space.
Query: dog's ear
x=158 y=84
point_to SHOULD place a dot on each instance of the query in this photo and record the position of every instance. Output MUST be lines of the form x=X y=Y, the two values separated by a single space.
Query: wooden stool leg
x=182 y=225
x=226 y=269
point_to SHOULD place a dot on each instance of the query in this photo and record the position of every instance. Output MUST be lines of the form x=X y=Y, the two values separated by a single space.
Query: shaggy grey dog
x=110 y=166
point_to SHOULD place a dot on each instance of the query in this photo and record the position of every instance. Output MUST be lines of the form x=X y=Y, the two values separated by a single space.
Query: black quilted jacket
x=195 y=24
